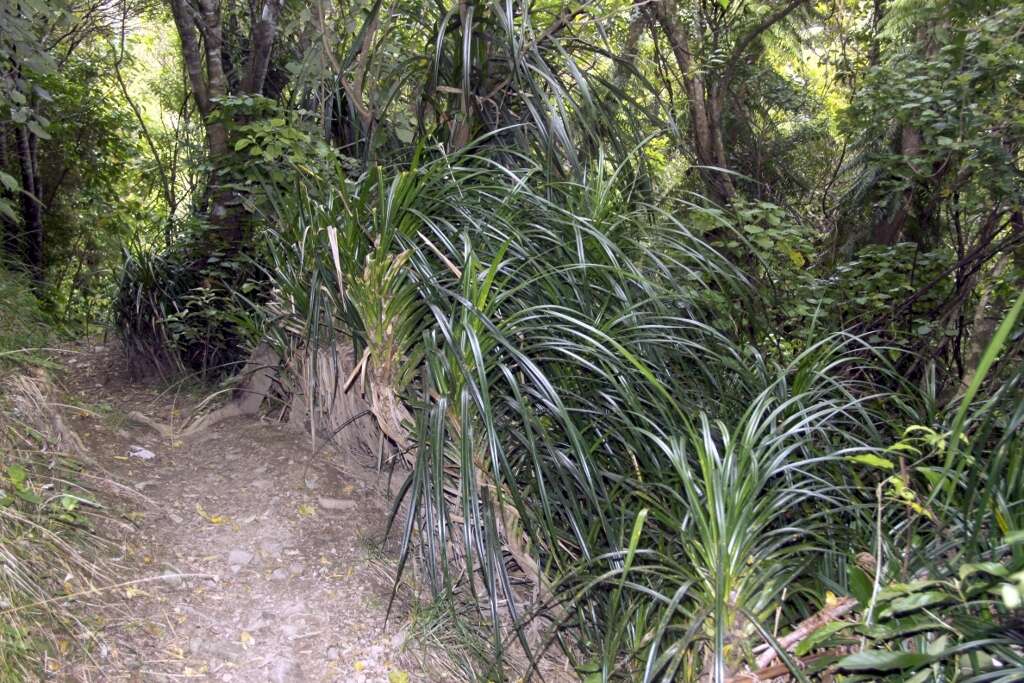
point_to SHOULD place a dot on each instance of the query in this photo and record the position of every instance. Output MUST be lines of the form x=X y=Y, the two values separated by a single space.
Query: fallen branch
x=166 y=431
x=777 y=670
x=806 y=627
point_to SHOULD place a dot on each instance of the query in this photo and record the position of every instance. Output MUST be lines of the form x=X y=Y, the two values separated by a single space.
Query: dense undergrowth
x=690 y=332
x=614 y=456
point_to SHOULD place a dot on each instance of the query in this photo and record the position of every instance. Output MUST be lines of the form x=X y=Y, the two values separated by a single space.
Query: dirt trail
x=271 y=569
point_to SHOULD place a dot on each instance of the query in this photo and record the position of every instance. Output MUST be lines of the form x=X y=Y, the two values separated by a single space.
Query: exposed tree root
x=257 y=379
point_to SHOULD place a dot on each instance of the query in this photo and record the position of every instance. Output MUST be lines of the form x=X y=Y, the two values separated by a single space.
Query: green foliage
x=93 y=209
x=649 y=431
x=270 y=143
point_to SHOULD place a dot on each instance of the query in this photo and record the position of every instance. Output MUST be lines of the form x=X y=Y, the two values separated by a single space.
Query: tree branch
x=766 y=23
x=190 y=54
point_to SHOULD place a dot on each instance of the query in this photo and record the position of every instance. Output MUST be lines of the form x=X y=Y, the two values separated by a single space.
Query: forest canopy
x=690 y=329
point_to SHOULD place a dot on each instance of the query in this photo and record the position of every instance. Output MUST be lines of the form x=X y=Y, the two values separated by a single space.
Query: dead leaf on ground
x=212 y=519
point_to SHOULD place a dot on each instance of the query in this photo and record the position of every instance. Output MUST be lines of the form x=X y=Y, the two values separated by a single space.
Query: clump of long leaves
x=597 y=442
x=177 y=310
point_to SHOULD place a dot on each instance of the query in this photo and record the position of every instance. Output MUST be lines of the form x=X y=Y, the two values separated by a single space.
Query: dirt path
x=271 y=570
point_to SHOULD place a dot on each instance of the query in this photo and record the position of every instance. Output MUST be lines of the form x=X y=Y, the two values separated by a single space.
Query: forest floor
x=248 y=560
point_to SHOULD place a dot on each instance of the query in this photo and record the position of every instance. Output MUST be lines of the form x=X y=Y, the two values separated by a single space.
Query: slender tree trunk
x=626 y=63
x=889 y=230
x=704 y=104
x=990 y=307
x=31 y=210
x=11 y=230
x=263 y=42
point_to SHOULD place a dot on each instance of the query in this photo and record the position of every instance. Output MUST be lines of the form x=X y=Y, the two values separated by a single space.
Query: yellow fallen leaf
x=306 y=510
x=212 y=519
x=830 y=599
x=398 y=676
x=131 y=592
x=247 y=640
x=359 y=666
x=347 y=489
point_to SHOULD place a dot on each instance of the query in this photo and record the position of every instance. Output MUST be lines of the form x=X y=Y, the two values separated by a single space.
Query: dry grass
x=48 y=544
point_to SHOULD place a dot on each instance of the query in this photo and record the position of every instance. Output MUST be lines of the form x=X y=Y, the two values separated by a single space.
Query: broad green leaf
x=861 y=585
x=17 y=475
x=38 y=130
x=993 y=568
x=9 y=181
x=883 y=660
x=819 y=636
x=28 y=496
x=917 y=601
x=872 y=460
x=898 y=628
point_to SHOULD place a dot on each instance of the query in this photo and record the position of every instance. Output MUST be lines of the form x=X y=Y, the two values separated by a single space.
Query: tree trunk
x=204 y=64
x=11 y=229
x=888 y=231
x=705 y=108
x=990 y=307
x=31 y=211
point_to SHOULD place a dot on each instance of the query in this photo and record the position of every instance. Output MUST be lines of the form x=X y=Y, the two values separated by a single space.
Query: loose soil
x=253 y=560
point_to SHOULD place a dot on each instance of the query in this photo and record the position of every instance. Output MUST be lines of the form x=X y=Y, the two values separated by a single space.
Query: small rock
x=271 y=549
x=285 y=671
x=332 y=654
x=141 y=453
x=279 y=575
x=171 y=578
x=239 y=558
x=398 y=639
x=336 y=503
